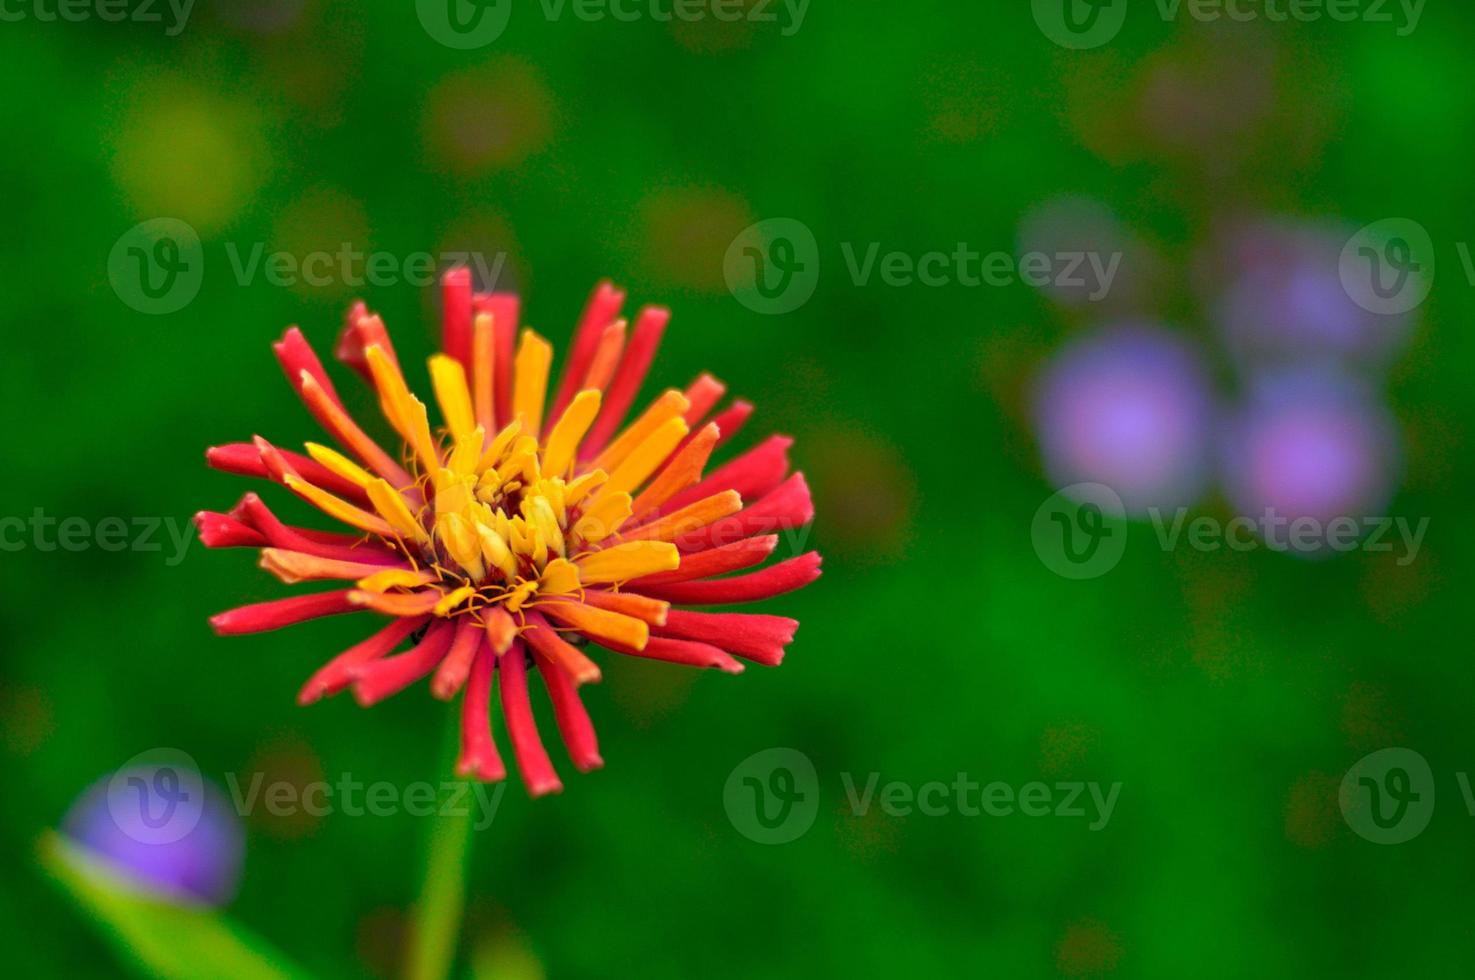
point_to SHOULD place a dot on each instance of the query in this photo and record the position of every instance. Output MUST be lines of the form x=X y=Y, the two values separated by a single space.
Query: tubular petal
x=705 y=392
x=606 y=357
x=752 y=474
x=670 y=405
x=687 y=652
x=379 y=679
x=265 y=616
x=732 y=557
x=397 y=603
x=530 y=386
x=683 y=470
x=601 y=310
x=532 y=758
x=336 y=674
x=563 y=441
x=295 y=566
x=501 y=630
x=632 y=559
x=504 y=309
x=774 y=580
x=244 y=459
x=573 y=721
x=448 y=378
x=786 y=508
x=692 y=517
x=598 y=624
x=343 y=428
x=555 y=649
x=644 y=458
x=758 y=637
x=649 y=327
x=479 y=758
x=653 y=611
x=224 y=531
x=455 y=293
x=252 y=511
x=483 y=371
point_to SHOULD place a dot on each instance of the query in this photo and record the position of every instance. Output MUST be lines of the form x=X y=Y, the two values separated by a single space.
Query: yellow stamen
x=453 y=599
x=395 y=578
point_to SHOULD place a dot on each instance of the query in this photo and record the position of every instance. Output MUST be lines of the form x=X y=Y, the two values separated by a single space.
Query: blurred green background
x=1226 y=692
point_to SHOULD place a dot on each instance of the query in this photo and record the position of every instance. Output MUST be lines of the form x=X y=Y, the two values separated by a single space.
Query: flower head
x=524 y=526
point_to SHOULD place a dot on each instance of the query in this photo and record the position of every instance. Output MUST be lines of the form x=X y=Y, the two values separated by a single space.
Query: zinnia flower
x=525 y=526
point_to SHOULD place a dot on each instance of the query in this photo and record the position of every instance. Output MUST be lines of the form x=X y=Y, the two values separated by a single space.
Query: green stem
x=436 y=928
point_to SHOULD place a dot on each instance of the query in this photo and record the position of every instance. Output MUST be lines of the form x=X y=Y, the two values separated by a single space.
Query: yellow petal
x=449 y=379
x=569 y=431
x=337 y=508
x=390 y=504
x=339 y=464
x=637 y=467
x=603 y=517
x=671 y=404
x=626 y=561
x=530 y=380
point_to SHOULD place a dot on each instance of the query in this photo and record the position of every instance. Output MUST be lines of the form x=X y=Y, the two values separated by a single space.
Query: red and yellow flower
x=523 y=526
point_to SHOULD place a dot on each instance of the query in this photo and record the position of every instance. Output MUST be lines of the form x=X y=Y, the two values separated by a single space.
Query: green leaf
x=159 y=937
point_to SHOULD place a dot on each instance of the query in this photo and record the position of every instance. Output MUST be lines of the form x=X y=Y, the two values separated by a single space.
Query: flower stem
x=436 y=928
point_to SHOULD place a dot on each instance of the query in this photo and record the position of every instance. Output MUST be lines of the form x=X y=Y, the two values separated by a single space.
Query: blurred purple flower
x=1310 y=444
x=1281 y=299
x=203 y=865
x=1130 y=406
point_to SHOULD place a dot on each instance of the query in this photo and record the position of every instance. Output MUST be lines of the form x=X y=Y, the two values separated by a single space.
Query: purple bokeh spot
x=1131 y=407
x=202 y=866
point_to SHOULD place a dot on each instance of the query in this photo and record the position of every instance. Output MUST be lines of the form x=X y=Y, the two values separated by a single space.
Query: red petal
x=759 y=638
x=452 y=672
x=252 y=511
x=752 y=474
x=379 y=679
x=296 y=355
x=224 y=531
x=787 y=507
x=244 y=459
x=455 y=299
x=714 y=561
x=336 y=675
x=545 y=640
x=705 y=392
x=774 y=580
x=601 y=310
x=265 y=616
x=573 y=721
x=479 y=757
x=532 y=758
x=620 y=394
x=685 y=652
